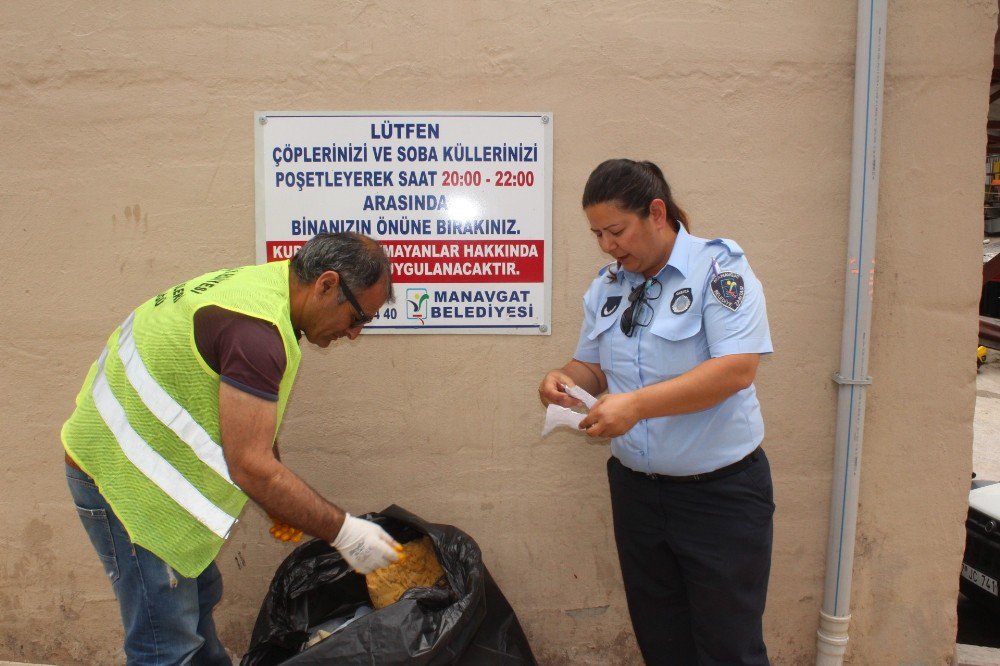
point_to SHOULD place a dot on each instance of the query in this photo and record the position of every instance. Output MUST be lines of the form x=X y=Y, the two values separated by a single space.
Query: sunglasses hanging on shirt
x=640 y=312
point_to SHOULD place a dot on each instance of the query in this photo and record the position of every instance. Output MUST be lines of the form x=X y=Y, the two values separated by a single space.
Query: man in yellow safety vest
x=175 y=427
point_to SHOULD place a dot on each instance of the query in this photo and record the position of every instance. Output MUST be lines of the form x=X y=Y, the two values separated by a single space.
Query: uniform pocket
x=685 y=347
x=95 y=522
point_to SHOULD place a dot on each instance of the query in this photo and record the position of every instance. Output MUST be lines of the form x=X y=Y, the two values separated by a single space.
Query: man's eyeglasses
x=640 y=312
x=361 y=319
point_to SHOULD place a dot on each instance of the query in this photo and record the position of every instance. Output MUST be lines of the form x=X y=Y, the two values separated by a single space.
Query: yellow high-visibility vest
x=146 y=424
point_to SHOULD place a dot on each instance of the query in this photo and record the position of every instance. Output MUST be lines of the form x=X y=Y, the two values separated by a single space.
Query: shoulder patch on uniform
x=732 y=246
x=728 y=289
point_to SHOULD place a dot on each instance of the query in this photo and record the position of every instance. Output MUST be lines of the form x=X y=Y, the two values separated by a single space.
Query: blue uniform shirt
x=710 y=305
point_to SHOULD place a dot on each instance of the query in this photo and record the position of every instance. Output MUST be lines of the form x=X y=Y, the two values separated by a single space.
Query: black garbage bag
x=469 y=624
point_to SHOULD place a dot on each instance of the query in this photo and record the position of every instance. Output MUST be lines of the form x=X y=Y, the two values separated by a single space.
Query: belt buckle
x=654 y=477
x=697 y=477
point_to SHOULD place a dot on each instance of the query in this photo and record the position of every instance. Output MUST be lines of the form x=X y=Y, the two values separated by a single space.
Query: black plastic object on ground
x=470 y=623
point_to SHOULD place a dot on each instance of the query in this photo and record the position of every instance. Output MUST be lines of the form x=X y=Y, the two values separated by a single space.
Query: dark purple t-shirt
x=246 y=352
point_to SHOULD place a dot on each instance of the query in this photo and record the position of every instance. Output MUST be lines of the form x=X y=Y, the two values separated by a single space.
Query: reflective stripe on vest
x=146 y=459
x=166 y=409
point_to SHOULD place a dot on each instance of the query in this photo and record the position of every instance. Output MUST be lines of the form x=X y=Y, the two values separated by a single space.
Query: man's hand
x=365 y=546
x=613 y=415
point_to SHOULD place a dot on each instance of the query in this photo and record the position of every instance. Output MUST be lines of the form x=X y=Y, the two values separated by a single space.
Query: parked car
x=981 y=564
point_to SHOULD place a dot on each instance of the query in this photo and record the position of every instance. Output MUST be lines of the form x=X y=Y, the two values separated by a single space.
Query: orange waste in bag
x=418 y=567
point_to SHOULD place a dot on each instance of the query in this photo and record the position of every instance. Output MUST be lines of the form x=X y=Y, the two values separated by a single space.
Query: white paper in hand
x=581 y=395
x=556 y=416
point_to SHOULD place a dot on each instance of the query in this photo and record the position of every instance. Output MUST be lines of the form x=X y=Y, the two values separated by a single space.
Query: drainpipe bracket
x=840 y=379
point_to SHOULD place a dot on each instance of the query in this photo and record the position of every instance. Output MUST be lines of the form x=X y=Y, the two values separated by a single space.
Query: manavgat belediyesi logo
x=416 y=304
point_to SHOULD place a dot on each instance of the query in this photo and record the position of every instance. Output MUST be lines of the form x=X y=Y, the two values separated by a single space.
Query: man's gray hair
x=358 y=259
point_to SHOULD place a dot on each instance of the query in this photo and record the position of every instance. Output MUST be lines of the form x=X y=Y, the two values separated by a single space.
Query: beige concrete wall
x=127 y=165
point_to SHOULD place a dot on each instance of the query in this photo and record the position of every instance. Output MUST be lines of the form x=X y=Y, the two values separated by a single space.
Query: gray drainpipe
x=853 y=377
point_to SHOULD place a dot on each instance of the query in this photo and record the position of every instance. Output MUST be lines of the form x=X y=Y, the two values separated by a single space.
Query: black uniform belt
x=728 y=470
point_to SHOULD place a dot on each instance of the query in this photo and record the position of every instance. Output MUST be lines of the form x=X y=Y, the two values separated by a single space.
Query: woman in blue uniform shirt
x=673 y=330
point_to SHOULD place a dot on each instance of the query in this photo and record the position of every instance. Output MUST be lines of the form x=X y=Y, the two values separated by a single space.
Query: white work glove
x=365 y=546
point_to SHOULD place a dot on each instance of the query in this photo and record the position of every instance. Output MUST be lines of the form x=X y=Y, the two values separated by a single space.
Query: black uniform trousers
x=695 y=559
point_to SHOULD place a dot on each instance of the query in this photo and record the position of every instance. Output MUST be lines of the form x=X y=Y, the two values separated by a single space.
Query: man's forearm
x=285 y=496
x=247 y=425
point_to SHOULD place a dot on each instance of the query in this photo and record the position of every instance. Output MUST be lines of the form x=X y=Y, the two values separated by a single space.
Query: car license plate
x=979 y=578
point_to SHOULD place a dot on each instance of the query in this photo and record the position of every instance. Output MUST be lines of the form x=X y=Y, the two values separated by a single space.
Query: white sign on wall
x=461 y=202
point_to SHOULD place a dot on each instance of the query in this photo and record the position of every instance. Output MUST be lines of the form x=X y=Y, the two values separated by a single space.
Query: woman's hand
x=551 y=389
x=613 y=415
